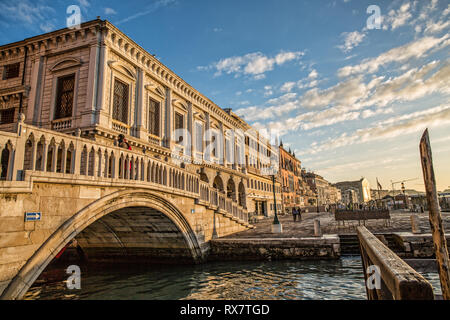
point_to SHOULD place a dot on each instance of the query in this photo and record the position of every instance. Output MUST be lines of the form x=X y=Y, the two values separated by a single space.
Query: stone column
x=222 y=159
x=317 y=231
x=92 y=85
x=101 y=164
x=139 y=122
x=33 y=108
x=137 y=165
x=415 y=224
x=168 y=120
x=106 y=171
x=190 y=125
x=33 y=155
x=115 y=167
x=64 y=159
x=76 y=154
x=102 y=111
x=54 y=157
x=44 y=156
x=207 y=156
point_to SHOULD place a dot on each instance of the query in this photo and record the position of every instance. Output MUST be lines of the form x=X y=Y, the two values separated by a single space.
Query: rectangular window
x=199 y=137
x=7 y=116
x=179 y=124
x=64 y=96
x=11 y=71
x=153 y=117
x=120 y=101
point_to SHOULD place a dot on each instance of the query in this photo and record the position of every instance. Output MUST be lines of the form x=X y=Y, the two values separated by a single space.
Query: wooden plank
x=437 y=230
x=402 y=281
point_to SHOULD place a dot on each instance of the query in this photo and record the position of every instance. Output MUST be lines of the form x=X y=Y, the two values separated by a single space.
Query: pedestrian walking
x=294 y=214
x=299 y=211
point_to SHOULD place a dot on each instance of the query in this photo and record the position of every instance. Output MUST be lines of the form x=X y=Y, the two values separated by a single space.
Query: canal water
x=293 y=280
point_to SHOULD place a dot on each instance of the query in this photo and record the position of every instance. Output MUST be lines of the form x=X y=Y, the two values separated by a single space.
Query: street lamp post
x=276 y=226
x=317 y=202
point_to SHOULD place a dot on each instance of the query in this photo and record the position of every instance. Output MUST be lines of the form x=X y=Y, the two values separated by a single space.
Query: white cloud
x=368 y=113
x=27 y=13
x=351 y=40
x=430 y=118
x=282 y=99
x=344 y=93
x=287 y=86
x=352 y=99
x=435 y=27
x=398 y=18
x=415 y=49
x=84 y=3
x=253 y=64
x=47 y=27
x=110 y=11
x=313 y=74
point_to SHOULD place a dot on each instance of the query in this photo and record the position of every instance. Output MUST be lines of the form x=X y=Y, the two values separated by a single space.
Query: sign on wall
x=32 y=216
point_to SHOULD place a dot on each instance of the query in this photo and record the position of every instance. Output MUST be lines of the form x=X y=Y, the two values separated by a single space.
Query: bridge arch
x=113 y=203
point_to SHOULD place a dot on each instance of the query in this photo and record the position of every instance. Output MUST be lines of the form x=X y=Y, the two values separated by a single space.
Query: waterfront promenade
x=400 y=222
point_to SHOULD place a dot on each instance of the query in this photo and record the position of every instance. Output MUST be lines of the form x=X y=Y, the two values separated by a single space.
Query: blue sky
x=350 y=100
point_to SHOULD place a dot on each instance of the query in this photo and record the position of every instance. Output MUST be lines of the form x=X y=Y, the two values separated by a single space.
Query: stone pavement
x=400 y=222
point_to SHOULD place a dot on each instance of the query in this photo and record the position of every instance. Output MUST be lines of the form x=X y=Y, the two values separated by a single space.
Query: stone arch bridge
x=116 y=202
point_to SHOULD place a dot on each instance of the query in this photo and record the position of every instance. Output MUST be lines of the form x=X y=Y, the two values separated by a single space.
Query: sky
x=348 y=90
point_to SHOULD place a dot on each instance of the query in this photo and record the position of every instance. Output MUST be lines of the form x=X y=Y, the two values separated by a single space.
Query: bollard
x=415 y=225
x=317 y=232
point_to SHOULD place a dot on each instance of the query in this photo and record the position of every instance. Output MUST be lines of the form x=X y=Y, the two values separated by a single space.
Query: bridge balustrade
x=204 y=191
x=221 y=199
x=229 y=206
x=53 y=154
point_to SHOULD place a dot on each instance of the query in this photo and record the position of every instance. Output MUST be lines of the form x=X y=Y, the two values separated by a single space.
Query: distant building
x=361 y=187
x=293 y=192
x=349 y=196
x=379 y=194
x=325 y=192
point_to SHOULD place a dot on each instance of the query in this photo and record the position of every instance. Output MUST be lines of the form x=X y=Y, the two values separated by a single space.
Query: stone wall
x=325 y=247
x=71 y=207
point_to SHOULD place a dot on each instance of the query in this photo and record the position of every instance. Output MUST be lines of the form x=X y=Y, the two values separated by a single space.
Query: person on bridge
x=123 y=143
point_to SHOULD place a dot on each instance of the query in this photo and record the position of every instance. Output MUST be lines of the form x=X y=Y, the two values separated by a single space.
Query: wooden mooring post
x=437 y=230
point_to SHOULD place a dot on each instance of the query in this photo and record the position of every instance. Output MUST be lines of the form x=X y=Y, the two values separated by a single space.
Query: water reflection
x=341 y=279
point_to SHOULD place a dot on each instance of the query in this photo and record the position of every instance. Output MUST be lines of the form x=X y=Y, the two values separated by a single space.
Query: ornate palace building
x=295 y=191
x=94 y=82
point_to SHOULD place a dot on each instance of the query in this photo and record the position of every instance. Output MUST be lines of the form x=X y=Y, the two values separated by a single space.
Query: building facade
x=97 y=83
x=361 y=189
x=326 y=193
x=293 y=193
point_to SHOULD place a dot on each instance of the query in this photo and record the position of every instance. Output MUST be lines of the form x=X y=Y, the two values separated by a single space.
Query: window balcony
x=120 y=127
x=62 y=124
x=154 y=140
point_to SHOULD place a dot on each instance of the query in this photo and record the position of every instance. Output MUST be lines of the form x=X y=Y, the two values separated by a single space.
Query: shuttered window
x=7 y=116
x=64 y=96
x=11 y=71
x=120 y=101
x=153 y=117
